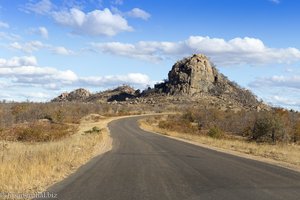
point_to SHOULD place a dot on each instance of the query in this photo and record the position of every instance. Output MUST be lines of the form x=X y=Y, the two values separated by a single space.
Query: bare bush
x=278 y=125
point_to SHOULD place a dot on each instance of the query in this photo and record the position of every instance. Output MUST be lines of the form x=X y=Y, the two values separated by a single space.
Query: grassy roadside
x=32 y=167
x=284 y=155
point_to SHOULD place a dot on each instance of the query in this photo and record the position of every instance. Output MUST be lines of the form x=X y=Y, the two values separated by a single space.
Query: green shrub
x=268 y=127
x=188 y=116
x=95 y=129
x=164 y=124
x=215 y=132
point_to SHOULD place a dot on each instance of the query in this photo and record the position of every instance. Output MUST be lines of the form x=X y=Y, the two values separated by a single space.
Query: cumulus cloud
x=35 y=74
x=138 y=13
x=279 y=90
x=25 y=72
x=232 y=52
x=32 y=46
x=18 y=62
x=4 y=24
x=94 y=23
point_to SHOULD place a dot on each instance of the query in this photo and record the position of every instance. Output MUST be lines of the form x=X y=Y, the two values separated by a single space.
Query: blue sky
x=48 y=47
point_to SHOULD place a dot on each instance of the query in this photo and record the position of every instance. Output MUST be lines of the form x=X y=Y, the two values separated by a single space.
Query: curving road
x=144 y=165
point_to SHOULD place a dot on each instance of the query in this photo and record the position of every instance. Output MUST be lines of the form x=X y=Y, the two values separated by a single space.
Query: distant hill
x=194 y=79
x=120 y=93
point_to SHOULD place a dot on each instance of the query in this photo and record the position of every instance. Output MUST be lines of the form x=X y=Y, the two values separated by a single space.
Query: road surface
x=144 y=165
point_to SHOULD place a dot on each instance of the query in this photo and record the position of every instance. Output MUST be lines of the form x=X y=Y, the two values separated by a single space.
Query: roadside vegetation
x=270 y=134
x=276 y=126
x=42 y=143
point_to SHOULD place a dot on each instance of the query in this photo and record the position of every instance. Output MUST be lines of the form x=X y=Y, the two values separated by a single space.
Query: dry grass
x=285 y=155
x=32 y=167
x=39 y=131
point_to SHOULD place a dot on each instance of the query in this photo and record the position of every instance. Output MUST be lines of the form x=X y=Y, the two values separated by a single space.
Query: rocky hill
x=121 y=93
x=76 y=95
x=196 y=77
x=192 y=80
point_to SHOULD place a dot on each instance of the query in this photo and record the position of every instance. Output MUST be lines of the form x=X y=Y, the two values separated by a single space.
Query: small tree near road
x=268 y=126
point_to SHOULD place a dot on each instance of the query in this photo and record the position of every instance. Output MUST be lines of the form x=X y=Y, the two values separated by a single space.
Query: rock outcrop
x=190 y=76
x=196 y=76
x=121 y=93
x=76 y=95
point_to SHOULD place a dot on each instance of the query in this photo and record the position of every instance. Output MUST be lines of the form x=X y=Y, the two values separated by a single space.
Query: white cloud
x=135 y=79
x=62 y=51
x=278 y=100
x=138 y=13
x=281 y=90
x=277 y=81
x=33 y=46
x=28 y=47
x=128 y=50
x=24 y=70
x=23 y=73
x=41 y=31
x=288 y=99
x=94 y=23
x=232 y=52
x=41 y=7
x=18 y=62
x=34 y=74
x=4 y=24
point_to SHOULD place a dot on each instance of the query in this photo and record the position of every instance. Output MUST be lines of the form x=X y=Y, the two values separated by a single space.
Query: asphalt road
x=144 y=165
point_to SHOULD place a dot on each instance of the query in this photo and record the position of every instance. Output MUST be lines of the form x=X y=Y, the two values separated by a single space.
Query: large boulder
x=191 y=76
